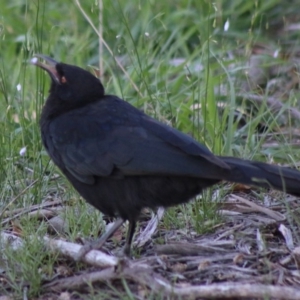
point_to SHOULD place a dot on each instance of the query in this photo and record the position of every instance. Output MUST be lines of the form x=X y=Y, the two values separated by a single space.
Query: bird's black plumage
x=120 y=160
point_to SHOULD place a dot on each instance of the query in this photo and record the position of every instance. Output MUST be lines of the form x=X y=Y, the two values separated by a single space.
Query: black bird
x=120 y=160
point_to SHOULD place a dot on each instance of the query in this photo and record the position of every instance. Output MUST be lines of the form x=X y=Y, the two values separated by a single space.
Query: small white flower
x=147 y=34
x=118 y=36
x=226 y=25
x=19 y=87
x=23 y=151
x=34 y=60
x=276 y=53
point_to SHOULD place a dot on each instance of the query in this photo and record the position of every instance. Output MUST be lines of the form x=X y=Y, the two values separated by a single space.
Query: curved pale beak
x=49 y=65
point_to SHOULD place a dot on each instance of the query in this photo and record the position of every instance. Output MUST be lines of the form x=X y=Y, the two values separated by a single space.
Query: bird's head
x=70 y=85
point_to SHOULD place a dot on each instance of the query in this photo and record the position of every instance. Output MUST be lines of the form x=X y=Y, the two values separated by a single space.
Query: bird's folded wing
x=95 y=147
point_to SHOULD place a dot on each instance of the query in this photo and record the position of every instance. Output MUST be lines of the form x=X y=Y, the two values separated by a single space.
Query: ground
x=226 y=73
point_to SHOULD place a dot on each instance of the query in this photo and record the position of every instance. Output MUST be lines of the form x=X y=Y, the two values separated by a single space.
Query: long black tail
x=263 y=175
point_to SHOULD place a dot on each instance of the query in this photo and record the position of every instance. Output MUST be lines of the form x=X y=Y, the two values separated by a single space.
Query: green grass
x=147 y=37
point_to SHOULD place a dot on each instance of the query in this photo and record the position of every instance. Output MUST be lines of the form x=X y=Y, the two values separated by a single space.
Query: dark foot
x=127 y=251
x=123 y=254
x=83 y=251
x=87 y=247
x=96 y=245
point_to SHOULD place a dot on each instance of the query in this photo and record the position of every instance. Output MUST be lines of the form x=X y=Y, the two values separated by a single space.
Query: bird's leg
x=97 y=244
x=129 y=237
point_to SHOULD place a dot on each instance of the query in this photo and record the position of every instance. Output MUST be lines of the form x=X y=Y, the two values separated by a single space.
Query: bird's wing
x=127 y=143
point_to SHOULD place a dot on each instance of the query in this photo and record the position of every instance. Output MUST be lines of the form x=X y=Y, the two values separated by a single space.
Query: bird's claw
x=83 y=251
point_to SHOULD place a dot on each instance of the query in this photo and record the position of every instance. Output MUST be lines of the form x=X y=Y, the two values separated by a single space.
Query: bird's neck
x=55 y=107
x=52 y=109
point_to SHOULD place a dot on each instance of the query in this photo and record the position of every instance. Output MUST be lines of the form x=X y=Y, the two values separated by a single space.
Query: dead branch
x=186 y=249
x=94 y=257
x=146 y=277
x=21 y=211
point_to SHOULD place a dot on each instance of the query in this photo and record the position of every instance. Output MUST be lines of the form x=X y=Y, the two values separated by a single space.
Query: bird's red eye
x=63 y=79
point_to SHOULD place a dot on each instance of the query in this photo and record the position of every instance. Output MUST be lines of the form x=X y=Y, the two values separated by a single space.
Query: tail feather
x=263 y=175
